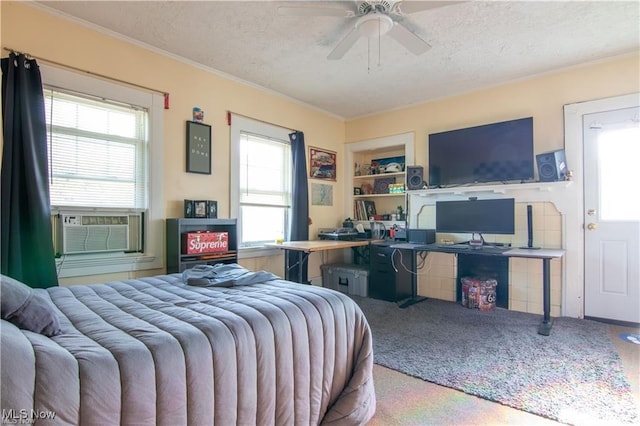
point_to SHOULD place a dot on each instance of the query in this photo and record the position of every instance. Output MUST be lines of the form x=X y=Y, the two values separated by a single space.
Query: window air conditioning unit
x=94 y=233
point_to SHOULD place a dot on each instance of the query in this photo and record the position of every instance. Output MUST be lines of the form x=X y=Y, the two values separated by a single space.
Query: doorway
x=611 y=148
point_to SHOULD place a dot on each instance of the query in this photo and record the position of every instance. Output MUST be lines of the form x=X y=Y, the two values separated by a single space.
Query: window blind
x=97 y=150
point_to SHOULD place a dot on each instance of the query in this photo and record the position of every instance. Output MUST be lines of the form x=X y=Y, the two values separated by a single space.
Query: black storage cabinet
x=175 y=227
x=384 y=282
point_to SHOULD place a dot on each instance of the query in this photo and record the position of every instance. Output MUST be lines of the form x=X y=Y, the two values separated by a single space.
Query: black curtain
x=27 y=244
x=299 y=228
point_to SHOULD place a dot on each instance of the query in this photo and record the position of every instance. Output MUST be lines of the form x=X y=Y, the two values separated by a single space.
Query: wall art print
x=322 y=164
x=198 y=148
x=321 y=194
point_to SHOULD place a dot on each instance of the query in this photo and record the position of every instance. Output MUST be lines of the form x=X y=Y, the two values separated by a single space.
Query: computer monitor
x=493 y=216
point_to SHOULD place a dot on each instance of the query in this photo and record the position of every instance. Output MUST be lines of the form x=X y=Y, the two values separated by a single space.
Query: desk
x=304 y=248
x=544 y=254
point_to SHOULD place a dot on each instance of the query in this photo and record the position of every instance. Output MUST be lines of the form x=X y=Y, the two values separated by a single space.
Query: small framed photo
x=188 y=208
x=356 y=190
x=200 y=209
x=322 y=164
x=212 y=209
x=198 y=148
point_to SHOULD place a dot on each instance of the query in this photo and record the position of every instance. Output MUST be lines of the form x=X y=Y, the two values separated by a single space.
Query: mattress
x=157 y=351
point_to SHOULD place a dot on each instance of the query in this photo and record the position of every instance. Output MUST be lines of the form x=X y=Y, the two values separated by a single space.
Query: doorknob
x=591 y=226
x=591 y=212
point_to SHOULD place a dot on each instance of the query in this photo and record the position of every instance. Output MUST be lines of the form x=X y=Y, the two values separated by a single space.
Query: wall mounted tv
x=497 y=152
x=493 y=216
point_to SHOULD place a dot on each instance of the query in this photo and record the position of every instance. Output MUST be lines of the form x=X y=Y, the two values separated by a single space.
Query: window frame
x=239 y=125
x=153 y=256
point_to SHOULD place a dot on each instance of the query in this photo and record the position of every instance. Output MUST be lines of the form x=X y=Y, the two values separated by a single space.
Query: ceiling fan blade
x=408 y=7
x=409 y=40
x=344 y=45
x=314 y=11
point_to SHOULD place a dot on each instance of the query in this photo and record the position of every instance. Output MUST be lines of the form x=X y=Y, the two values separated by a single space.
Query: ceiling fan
x=372 y=18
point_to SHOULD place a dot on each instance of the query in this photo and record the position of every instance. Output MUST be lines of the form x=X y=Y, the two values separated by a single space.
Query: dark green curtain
x=27 y=245
x=299 y=228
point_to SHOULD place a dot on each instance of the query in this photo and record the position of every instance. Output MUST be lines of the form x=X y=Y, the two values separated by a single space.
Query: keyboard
x=408 y=246
x=487 y=249
x=452 y=248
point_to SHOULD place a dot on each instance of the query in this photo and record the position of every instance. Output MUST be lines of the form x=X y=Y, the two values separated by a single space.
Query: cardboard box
x=205 y=242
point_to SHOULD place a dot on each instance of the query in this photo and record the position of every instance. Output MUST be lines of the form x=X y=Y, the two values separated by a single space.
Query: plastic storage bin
x=350 y=279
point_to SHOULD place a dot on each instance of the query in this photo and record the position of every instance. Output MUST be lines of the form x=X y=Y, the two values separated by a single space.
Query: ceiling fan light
x=374 y=25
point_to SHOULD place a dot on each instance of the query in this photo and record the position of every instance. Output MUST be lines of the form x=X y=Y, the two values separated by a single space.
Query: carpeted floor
x=573 y=376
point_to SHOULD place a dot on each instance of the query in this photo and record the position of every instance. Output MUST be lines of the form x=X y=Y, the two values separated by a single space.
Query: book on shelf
x=364 y=209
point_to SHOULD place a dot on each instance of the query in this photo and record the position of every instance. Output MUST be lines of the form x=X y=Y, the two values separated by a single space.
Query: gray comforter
x=156 y=351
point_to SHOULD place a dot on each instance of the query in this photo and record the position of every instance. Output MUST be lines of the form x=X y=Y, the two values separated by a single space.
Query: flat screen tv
x=497 y=152
x=494 y=216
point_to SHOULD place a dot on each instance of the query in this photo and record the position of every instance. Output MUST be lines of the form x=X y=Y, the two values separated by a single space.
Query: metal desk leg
x=287 y=266
x=414 y=285
x=545 y=326
x=300 y=258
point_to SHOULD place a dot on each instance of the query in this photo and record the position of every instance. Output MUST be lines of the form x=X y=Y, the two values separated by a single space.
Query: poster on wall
x=322 y=164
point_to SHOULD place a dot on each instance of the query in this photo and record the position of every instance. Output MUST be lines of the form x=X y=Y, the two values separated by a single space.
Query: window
x=97 y=152
x=105 y=157
x=261 y=187
x=618 y=148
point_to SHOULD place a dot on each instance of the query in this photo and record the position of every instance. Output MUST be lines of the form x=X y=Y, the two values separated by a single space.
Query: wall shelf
x=387 y=223
x=399 y=194
x=554 y=192
x=364 y=152
x=495 y=189
x=381 y=175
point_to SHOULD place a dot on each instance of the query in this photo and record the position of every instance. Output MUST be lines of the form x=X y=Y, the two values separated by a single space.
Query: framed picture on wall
x=322 y=163
x=198 y=148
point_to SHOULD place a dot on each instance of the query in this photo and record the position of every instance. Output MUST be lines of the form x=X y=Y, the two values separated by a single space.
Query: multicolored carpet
x=573 y=376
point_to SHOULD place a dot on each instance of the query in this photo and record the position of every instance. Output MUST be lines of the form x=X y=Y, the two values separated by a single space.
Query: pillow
x=27 y=309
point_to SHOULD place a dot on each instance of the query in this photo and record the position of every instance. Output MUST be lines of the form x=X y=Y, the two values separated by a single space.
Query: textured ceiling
x=475 y=44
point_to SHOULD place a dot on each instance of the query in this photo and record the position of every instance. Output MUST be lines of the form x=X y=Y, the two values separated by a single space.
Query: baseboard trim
x=614 y=322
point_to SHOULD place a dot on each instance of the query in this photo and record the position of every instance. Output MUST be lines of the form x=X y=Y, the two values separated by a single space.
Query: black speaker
x=529 y=225
x=415 y=177
x=530 y=228
x=552 y=166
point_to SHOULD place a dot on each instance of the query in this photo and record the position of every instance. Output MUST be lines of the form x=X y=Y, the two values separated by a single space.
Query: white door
x=612 y=215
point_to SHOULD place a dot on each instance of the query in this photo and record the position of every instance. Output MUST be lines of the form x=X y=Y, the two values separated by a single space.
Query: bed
x=158 y=351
